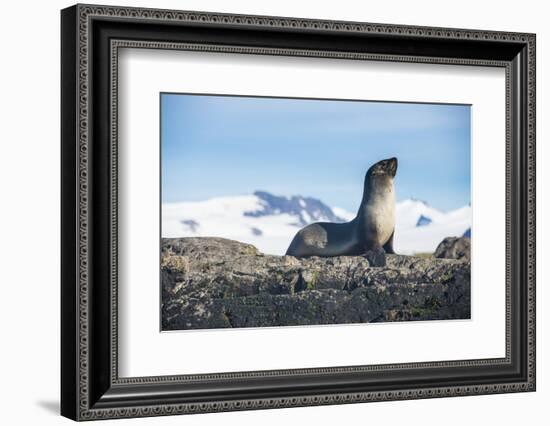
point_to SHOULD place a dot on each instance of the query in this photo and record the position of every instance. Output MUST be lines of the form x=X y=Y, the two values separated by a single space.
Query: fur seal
x=370 y=234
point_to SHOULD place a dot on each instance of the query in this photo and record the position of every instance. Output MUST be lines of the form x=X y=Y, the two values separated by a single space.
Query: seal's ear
x=370 y=170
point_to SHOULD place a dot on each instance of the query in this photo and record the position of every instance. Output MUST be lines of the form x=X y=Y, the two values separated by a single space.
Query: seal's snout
x=391 y=166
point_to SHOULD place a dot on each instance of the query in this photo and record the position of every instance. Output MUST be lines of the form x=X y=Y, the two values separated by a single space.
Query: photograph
x=279 y=211
x=264 y=209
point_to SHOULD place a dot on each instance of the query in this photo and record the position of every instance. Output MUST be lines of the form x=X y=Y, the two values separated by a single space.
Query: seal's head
x=386 y=168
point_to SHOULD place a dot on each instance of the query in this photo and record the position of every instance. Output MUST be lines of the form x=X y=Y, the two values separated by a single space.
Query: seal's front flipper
x=388 y=247
x=376 y=257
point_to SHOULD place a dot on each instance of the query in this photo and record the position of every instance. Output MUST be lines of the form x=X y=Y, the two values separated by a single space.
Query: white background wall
x=29 y=213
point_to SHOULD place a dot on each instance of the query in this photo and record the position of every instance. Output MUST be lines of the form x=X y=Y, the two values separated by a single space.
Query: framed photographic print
x=263 y=212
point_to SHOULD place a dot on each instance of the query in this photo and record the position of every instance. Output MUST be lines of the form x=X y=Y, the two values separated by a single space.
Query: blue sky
x=226 y=145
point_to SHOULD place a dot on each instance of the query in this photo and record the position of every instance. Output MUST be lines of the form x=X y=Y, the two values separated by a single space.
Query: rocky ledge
x=219 y=283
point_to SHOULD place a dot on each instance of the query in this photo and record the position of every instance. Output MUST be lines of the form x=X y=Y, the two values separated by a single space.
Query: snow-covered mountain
x=420 y=228
x=269 y=221
x=305 y=209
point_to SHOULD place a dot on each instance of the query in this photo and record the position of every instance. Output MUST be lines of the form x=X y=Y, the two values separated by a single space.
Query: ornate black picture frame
x=91 y=387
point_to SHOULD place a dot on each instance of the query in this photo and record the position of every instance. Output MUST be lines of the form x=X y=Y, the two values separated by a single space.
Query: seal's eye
x=379 y=170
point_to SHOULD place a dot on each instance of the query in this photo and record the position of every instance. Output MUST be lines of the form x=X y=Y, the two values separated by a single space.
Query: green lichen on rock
x=310 y=278
x=429 y=307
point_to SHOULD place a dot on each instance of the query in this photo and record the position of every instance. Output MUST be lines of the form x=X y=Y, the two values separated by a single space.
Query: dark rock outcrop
x=217 y=283
x=453 y=248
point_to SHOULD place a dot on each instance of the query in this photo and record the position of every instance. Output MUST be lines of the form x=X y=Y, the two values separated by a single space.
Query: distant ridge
x=306 y=209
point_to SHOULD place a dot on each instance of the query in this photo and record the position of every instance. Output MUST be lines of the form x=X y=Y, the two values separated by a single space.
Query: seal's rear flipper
x=376 y=257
